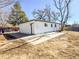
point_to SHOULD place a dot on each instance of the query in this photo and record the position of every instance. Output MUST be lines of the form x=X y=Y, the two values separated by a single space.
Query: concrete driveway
x=40 y=38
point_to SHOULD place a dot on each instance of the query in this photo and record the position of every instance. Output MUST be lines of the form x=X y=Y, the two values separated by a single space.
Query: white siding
x=25 y=28
x=38 y=27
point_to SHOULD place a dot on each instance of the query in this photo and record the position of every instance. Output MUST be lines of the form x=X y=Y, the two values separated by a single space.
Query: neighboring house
x=75 y=27
x=8 y=27
x=67 y=27
x=38 y=27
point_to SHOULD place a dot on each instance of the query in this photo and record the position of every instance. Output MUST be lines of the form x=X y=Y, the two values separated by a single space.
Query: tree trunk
x=62 y=27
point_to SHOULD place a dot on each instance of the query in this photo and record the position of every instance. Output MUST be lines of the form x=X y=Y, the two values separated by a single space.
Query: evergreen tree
x=17 y=16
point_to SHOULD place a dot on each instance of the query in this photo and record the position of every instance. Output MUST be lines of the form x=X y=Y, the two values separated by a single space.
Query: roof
x=31 y=21
x=44 y=21
x=7 y=25
x=75 y=25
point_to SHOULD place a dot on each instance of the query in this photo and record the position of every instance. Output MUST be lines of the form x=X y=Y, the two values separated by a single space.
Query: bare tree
x=63 y=9
x=48 y=13
x=45 y=14
x=3 y=20
x=39 y=14
x=4 y=3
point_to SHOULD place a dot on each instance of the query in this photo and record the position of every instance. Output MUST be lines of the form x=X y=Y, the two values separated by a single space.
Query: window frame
x=45 y=24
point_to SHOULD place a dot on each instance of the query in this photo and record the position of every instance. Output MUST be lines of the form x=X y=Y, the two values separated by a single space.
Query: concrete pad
x=43 y=39
x=40 y=38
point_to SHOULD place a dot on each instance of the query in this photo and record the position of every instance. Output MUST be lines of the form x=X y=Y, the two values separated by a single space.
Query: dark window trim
x=45 y=24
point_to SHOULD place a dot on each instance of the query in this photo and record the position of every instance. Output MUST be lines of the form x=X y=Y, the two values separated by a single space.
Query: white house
x=38 y=27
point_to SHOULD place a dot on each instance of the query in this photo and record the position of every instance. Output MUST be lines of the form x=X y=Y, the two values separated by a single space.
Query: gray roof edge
x=32 y=21
x=44 y=21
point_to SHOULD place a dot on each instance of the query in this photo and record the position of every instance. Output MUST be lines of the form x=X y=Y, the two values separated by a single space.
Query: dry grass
x=63 y=47
x=2 y=39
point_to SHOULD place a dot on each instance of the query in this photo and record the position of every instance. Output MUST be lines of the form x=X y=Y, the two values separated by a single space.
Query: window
x=45 y=25
x=55 y=25
x=51 y=25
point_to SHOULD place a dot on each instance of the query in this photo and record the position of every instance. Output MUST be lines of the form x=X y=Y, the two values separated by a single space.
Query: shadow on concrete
x=12 y=36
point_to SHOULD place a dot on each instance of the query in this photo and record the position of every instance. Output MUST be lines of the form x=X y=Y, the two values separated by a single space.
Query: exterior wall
x=41 y=28
x=38 y=27
x=58 y=27
x=25 y=28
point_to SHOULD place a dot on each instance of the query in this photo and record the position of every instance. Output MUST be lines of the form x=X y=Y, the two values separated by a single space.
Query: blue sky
x=29 y=5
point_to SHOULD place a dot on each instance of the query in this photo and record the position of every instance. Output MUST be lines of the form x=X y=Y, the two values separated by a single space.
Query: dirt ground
x=2 y=39
x=63 y=47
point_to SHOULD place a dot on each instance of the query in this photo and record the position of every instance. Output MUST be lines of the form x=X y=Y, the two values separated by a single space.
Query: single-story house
x=38 y=27
x=75 y=27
